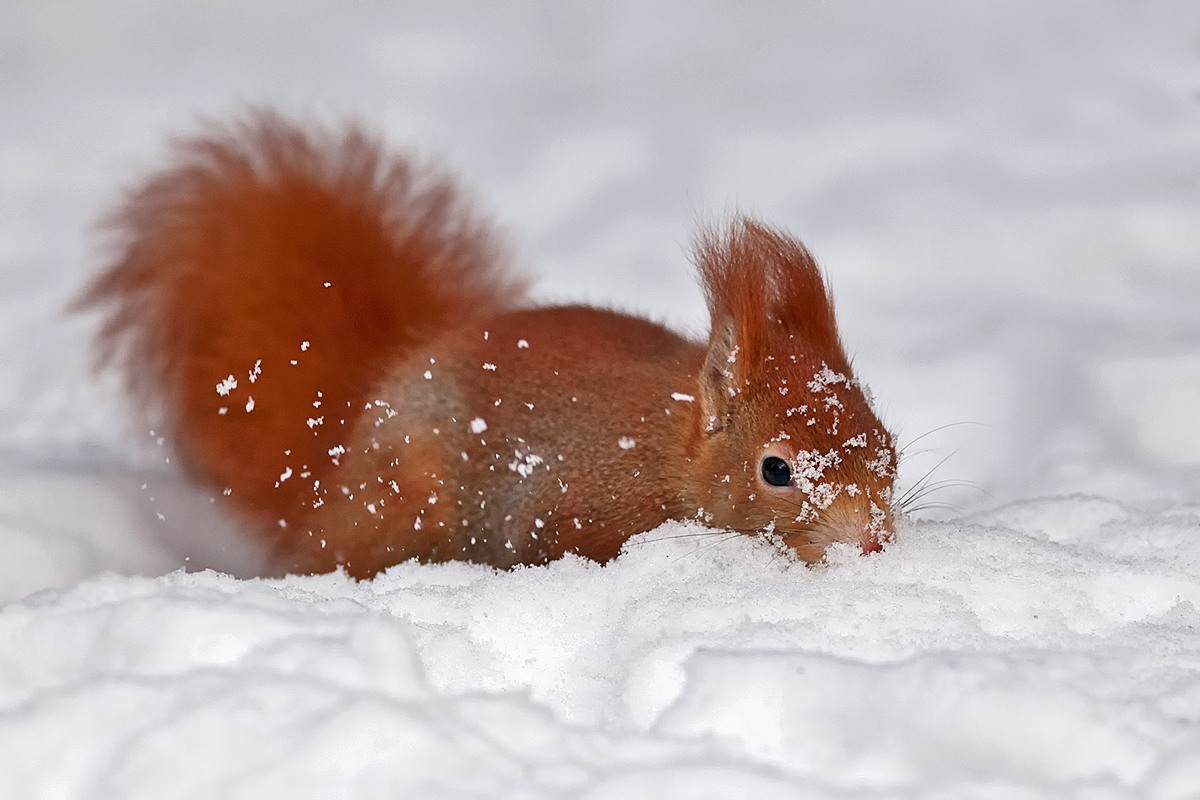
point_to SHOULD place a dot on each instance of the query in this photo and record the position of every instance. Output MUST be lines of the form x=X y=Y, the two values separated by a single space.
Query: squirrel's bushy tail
x=260 y=283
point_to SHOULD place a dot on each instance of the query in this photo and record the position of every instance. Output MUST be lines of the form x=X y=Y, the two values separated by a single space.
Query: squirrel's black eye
x=776 y=472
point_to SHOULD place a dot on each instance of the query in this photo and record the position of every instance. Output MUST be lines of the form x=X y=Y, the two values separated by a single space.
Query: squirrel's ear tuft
x=765 y=287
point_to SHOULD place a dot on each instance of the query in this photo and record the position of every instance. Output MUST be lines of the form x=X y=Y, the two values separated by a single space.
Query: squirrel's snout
x=856 y=521
x=871 y=544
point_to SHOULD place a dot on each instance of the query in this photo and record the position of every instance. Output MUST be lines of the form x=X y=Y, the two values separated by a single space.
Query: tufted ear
x=719 y=375
x=766 y=300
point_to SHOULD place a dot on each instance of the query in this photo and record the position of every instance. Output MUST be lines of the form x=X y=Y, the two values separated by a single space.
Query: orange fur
x=404 y=406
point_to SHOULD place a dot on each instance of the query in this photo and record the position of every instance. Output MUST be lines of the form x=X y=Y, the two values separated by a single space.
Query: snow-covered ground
x=1006 y=197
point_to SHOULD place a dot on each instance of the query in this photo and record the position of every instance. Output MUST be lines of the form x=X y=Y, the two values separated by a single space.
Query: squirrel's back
x=259 y=286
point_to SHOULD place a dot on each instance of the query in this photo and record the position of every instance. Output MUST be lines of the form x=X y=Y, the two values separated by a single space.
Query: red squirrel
x=335 y=342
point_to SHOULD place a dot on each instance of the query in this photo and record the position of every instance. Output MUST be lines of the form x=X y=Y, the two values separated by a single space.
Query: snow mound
x=1046 y=649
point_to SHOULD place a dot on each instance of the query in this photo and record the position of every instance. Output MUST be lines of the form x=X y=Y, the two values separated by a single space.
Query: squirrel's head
x=788 y=441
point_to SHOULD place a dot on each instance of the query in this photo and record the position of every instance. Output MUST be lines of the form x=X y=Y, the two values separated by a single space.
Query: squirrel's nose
x=871 y=544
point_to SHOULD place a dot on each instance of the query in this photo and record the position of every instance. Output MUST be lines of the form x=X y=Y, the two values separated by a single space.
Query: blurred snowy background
x=1006 y=197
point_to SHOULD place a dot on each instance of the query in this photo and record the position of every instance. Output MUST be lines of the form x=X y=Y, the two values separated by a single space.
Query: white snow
x=1005 y=198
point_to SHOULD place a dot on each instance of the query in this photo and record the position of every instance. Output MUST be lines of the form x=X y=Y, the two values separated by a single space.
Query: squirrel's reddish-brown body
x=335 y=343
